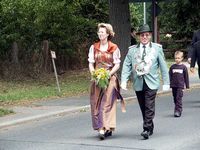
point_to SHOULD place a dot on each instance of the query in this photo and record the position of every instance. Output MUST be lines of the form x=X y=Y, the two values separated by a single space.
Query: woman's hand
x=110 y=75
x=114 y=69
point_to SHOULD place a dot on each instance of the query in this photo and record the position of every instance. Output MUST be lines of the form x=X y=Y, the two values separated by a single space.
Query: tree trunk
x=14 y=54
x=14 y=68
x=119 y=16
x=46 y=65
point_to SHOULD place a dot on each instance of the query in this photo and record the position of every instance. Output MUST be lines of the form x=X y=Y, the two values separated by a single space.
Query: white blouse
x=116 y=55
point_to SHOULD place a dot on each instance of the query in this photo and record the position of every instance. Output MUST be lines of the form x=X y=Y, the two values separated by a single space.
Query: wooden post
x=45 y=55
x=53 y=56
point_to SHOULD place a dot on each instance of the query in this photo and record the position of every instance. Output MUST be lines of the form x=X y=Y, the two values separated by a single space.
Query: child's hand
x=192 y=70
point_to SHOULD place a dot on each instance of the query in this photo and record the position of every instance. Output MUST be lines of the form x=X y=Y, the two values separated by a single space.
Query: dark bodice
x=104 y=59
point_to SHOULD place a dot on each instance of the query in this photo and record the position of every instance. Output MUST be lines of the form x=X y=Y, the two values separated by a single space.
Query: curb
x=45 y=115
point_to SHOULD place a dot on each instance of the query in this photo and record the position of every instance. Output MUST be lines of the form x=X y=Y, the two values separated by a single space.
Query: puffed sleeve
x=91 y=54
x=116 y=56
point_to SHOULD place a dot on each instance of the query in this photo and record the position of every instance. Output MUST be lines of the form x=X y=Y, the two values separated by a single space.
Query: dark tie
x=144 y=52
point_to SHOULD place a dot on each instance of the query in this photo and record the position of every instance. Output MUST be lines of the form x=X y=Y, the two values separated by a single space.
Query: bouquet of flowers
x=101 y=77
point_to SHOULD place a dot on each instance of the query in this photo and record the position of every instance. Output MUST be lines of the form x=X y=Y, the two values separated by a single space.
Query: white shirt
x=116 y=55
x=142 y=48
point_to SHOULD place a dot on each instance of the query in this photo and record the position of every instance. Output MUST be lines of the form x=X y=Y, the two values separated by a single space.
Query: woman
x=104 y=54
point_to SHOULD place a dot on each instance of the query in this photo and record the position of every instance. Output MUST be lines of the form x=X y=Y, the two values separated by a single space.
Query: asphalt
x=53 y=107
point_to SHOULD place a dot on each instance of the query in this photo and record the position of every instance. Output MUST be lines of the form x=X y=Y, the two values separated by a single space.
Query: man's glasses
x=145 y=34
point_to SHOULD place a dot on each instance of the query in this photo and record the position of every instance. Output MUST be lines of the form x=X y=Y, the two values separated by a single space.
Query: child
x=178 y=75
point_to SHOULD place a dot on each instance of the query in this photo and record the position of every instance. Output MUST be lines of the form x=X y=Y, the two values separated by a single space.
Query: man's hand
x=166 y=87
x=124 y=86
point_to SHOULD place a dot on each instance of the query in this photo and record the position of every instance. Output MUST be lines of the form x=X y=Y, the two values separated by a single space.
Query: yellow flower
x=101 y=77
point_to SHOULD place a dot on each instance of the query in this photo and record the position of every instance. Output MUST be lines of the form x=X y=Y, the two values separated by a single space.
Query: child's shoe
x=177 y=114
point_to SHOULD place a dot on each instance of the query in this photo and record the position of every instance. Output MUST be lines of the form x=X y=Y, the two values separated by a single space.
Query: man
x=195 y=38
x=144 y=60
x=195 y=54
x=195 y=57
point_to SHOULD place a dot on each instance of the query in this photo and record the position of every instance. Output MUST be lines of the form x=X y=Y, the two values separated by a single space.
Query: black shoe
x=177 y=114
x=101 y=136
x=150 y=133
x=108 y=133
x=146 y=134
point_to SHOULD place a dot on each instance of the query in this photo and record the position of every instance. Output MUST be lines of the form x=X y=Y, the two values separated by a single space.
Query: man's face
x=145 y=37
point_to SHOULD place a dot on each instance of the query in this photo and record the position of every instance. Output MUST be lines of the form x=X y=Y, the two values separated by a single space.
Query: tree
x=181 y=16
x=68 y=26
x=136 y=14
x=119 y=16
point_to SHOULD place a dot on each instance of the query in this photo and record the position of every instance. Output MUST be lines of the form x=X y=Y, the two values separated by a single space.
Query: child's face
x=178 y=58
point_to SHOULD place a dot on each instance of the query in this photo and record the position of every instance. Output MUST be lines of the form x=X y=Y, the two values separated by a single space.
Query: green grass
x=4 y=112
x=71 y=83
x=170 y=62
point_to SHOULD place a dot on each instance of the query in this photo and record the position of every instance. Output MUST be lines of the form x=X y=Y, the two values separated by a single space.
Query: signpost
x=53 y=56
x=144 y=12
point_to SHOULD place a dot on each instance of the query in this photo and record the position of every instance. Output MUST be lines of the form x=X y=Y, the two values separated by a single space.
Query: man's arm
x=186 y=77
x=193 y=58
x=164 y=69
x=194 y=39
x=126 y=70
x=190 y=51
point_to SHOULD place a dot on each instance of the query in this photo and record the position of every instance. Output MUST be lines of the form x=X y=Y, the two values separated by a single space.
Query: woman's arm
x=91 y=67
x=91 y=59
x=114 y=69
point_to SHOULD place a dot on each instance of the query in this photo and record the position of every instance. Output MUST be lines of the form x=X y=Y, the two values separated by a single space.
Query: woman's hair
x=179 y=53
x=109 y=29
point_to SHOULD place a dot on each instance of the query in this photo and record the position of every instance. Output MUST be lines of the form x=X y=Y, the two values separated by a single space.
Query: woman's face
x=145 y=38
x=102 y=34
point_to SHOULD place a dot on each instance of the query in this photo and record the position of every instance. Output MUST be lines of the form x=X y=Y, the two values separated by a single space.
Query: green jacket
x=148 y=69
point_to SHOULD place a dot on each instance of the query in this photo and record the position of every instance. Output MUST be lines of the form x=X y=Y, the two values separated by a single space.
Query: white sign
x=53 y=54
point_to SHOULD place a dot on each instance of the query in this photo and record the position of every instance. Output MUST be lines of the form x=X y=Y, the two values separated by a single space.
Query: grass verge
x=4 y=112
x=72 y=83
x=26 y=90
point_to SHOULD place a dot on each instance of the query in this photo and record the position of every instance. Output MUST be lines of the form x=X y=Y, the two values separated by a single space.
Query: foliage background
x=69 y=26
x=180 y=17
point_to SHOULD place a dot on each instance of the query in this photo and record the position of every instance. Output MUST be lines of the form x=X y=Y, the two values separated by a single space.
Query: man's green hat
x=143 y=28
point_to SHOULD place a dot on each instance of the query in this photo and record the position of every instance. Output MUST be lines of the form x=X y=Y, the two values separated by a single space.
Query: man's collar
x=147 y=45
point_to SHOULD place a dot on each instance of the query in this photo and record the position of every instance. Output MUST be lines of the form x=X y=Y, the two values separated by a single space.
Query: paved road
x=74 y=132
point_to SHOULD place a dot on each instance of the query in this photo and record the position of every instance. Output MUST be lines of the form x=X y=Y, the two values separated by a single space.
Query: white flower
x=168 y=35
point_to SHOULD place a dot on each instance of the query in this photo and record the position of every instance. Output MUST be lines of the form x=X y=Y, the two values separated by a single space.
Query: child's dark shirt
x=178 y=75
